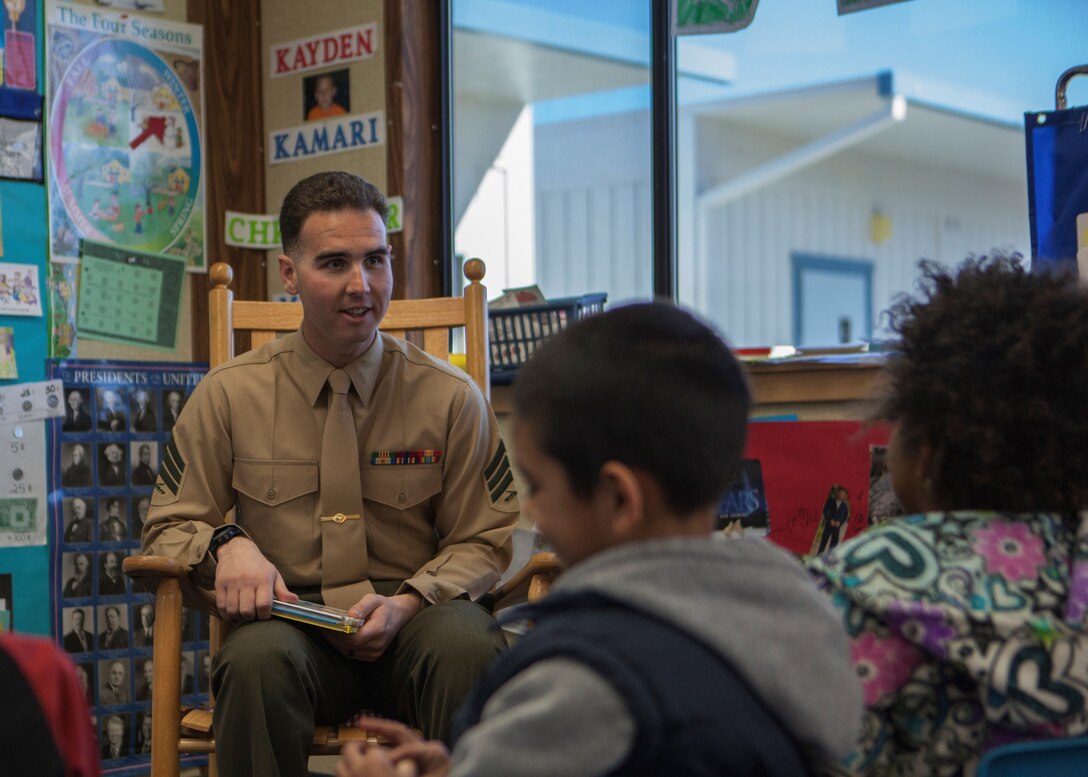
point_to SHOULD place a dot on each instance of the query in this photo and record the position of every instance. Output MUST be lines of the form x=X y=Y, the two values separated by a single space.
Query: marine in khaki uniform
x=433 y=533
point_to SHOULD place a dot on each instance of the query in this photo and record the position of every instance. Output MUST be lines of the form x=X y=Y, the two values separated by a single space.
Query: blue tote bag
x=1057 y=159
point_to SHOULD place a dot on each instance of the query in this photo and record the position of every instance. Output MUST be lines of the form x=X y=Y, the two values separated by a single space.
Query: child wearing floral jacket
x=968 y=619
x=967 y=630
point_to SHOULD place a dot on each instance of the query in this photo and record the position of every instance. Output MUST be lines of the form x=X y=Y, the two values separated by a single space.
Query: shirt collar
x=315 y=371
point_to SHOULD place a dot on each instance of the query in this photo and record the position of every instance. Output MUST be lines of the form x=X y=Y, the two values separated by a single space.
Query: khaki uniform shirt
x=250 y=438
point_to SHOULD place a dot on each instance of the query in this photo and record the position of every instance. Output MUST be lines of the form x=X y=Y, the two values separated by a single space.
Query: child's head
x=642 y=396
x=989 y=390
x=324 y=90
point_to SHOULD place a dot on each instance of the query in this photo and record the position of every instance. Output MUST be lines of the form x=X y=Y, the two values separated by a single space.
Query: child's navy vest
x=694 y=714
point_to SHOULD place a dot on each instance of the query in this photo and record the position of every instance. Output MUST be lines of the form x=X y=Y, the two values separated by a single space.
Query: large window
x=551 y=144
x=814 y=151
x=879 y=137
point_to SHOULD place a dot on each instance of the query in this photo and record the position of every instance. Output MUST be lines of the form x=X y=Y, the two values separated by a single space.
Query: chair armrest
x=530 y=583
x=139 y=567
x=151 y=570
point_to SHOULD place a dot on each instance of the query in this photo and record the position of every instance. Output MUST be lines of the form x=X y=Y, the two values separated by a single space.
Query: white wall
x=594 y=225
x=497 y=224
x=593 y=222
x=935 y=214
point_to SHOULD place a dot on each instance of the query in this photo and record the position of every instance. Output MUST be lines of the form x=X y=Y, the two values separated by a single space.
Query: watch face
x=221 y=536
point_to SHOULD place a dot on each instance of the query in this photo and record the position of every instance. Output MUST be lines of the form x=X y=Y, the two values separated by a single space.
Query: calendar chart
x=130 y=297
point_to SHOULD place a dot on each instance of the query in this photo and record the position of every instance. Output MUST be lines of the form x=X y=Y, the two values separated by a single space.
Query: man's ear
x=621 y=493
x=287 y=274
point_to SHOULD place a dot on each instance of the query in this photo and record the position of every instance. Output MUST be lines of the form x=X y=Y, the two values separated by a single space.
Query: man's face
x=79 y=509
x=114 y=510
x=344 y=277
x=77 y=454
x=115 y=730
x=141 y=401
x=117 y=673
x=81 y=565
x=113 y=400
x=77 y=620
x=147 y=615
x=75 y=401
x=145 y=455
x=111 y=616
x=111 y=564
x=113 y=454
x=141 y=509
x=149 y=671
x=173 y=399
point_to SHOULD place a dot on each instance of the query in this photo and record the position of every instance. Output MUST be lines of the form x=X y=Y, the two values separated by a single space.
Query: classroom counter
x=817 y=388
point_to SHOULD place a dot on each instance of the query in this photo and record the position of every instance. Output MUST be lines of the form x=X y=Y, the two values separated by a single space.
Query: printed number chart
x=22 y=459
x=129 y=297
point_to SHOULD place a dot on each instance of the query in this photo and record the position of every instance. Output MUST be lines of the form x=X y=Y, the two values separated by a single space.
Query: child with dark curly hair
x=968 y=617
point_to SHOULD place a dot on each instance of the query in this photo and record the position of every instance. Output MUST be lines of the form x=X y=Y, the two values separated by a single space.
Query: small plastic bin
x=516 y=333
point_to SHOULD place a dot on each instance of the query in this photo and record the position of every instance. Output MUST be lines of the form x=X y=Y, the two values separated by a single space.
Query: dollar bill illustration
x=18 y=515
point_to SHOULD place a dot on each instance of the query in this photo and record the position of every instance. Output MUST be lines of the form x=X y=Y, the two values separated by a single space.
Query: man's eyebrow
x=337 y=253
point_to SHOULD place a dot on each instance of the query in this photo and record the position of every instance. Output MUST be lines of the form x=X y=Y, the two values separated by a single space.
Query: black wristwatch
x=222 y=536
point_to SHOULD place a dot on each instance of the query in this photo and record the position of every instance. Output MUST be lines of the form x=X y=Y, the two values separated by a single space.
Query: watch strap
x=221 y=536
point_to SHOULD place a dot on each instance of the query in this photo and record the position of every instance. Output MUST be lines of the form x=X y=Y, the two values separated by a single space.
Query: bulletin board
x=801 y=463
x=23 y=240
x=22 y=230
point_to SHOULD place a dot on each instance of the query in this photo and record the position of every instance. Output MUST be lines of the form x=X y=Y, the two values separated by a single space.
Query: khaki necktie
x=343 y=533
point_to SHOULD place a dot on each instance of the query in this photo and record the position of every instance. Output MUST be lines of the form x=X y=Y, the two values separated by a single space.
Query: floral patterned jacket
x=968 y=630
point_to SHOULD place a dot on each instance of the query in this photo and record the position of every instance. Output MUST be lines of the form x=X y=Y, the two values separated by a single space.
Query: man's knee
x=257 y=652
x=457 y=630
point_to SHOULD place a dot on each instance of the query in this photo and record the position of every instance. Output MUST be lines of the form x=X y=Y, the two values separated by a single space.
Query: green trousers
x=274 y=681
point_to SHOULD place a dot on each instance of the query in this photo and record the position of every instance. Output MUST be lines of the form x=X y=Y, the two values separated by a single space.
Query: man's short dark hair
x=648 y=385
x=326 y=192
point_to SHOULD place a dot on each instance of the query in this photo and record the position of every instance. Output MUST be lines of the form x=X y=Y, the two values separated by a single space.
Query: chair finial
x=221 y=275
x=475 y=269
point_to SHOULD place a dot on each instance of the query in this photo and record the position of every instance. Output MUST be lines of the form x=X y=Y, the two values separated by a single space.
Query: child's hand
x=408 y=756
x=359 y=760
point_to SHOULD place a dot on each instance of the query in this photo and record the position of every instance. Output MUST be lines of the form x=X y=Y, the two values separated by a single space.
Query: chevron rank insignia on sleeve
x=499 y=478
x=171 y=474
